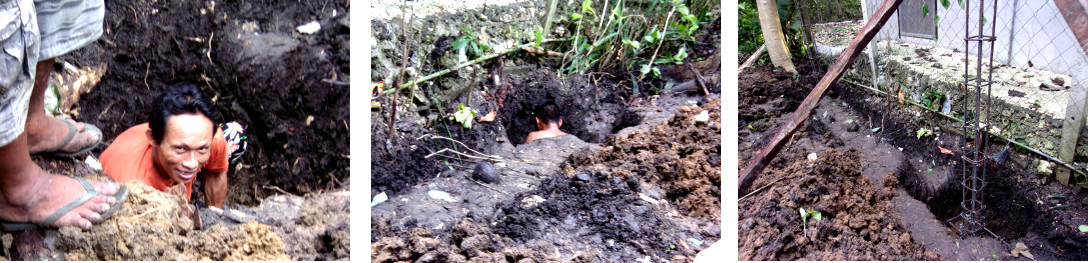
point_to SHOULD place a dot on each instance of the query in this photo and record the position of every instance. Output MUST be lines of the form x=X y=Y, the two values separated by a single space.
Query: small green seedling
x=1056 y=196
x=923 y=132
x=806 y=214
x=1083 y=228
x=464 y=115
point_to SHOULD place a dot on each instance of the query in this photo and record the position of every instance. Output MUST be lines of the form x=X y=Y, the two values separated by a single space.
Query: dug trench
x=289 y=90
x=631 y=181
x=910 y=189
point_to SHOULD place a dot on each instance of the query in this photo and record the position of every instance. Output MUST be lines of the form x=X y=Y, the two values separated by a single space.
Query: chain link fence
x=1039 y=70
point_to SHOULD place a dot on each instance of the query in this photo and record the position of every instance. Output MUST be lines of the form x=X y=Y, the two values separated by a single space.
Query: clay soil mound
x=856 y=220
x=148 y=228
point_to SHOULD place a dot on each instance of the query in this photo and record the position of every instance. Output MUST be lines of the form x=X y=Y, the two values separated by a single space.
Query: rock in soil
x=486 y=173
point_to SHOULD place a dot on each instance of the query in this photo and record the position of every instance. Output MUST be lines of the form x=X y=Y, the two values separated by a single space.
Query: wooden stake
x=749 y=175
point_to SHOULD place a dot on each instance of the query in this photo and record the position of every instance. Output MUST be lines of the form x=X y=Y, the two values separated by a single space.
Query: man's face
x=185 y=147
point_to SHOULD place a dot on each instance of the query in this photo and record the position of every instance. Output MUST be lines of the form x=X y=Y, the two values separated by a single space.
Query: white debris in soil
x=440 y=195
x=812 y=156
x=532 y=201
x=309 y=28
x=378 y=199
x=648 y=199
x=703 y=117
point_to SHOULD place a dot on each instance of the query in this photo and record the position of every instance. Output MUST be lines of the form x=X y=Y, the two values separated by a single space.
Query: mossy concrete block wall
x=1034 y=115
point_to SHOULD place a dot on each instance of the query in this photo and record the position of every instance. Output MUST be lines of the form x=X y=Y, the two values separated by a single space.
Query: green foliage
x=923 y=132
x=468 y=40
x=749 y=34
x=464 y=115
x=933 y=99
x=633 y=35
x=806 y=214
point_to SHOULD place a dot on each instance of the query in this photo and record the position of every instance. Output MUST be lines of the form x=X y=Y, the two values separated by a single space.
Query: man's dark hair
x=547 y=111
x=183 y=98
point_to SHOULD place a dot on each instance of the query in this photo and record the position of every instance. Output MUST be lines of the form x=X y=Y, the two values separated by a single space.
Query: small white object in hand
x=309 y=28
x=812 y=156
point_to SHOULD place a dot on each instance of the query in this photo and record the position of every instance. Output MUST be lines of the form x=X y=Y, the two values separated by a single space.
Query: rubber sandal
x=56 y=151
x=121 y=196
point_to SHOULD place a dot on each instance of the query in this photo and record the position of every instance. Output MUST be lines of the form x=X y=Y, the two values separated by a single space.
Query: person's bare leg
x=28 y=194
x=43 y=131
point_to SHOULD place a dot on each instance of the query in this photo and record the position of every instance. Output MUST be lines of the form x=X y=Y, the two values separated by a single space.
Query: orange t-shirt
x=129 y=158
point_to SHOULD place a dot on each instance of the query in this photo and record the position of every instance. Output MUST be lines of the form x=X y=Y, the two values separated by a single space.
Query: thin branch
x=403 y=67
x=470 y=63
x=427 y=136
x=488 y=186
x=662 y=41
x=757 y=190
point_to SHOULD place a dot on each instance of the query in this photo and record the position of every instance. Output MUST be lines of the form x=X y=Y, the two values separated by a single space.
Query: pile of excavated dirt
x=683 y=158
x=858 y=222
x=149 y=227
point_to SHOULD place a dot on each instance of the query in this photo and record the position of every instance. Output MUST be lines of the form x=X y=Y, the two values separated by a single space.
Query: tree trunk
x=772 y=35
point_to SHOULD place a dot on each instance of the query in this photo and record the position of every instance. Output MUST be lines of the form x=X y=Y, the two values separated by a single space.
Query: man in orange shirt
x=181 y=140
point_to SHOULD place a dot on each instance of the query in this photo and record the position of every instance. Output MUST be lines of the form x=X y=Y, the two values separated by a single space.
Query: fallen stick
x=543 y=52
x=749 y=175
x=699 y=78
x=427 y=136
x=753 y=58
x=469 y=63
x=488 y=186
x=691 y=84
x=757 y=190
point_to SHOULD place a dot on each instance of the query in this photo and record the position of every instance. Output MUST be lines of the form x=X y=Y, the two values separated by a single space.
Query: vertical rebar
x=974 y=181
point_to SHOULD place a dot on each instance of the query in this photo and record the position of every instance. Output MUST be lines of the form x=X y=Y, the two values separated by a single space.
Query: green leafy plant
x=933 y=99
x=633 y=36
x=464 y=115
x=923 y=132
x=467 y=41
x=806 y=214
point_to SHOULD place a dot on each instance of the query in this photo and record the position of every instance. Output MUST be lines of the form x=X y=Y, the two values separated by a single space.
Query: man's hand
x=215 y=189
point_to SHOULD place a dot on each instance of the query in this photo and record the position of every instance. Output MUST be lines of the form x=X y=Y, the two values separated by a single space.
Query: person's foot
x=46 y=133
x=36 y=201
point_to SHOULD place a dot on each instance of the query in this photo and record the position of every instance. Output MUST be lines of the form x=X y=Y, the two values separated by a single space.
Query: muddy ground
x=288 y=89
x=573 y=197
x=884 y=194
x=257 y=68
x=149 y=227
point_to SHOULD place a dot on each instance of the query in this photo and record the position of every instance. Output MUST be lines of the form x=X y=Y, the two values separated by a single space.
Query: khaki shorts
x=34 y=30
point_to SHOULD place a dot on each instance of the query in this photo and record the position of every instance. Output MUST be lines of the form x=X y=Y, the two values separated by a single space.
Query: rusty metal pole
x=749 y=175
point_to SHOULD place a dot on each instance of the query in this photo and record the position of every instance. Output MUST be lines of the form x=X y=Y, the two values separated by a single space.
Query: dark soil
x=148 y=227
x=881 y=218
x=1020 y=205
x=257 y=69
x=588 y=207
x=858 y=219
